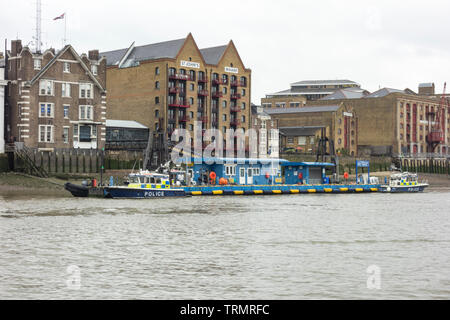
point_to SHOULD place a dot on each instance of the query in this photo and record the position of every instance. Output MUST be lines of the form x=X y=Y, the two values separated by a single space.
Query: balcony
x=217 y=94
x=200 y=109
x=235 y=109
x=178 y=76
x=238 y=83
x=171 y=120
x=219 y=81
x=235 y=96
x=203 y=79
x=184 y=119
x=180 y=104
x=214 y=109
x=235 y=122
x=203 y=93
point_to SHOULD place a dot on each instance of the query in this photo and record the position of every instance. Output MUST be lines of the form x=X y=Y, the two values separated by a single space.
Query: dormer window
x=94 y=69
x=66 y=67
x=37 y=64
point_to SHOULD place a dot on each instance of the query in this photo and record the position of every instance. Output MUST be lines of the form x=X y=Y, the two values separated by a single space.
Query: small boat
x=404 y=182
x=77 y=190
x=144 y=185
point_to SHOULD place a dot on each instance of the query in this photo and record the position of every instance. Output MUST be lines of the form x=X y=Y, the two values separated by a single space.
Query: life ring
x=300 y=175
x=345 y=175
x=212 y=175
x=267 y=176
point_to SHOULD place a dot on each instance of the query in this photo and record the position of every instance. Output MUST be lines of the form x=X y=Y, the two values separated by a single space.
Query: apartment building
x=3 y=84
x=56 y=99
x=267 y=131
x=301 y=92
x=173 y=84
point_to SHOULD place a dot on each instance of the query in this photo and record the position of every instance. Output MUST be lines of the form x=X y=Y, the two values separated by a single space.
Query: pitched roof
x=166 y=49
x=348 y=93
x=330 y=108
x=384 y=92
x=125 y=124
x=59 y=54
x=212 y=55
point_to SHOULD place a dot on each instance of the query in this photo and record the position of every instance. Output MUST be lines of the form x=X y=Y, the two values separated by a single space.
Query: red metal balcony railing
x=219 y=81
x=203 y=93
x=179 y=105
x=184 y=119
x=217 y=94
x=238 y=83
x=178 y=76
x=235 y=109
x=235 y=122
x=203 y=79
x=173 y=90
x=235 y=96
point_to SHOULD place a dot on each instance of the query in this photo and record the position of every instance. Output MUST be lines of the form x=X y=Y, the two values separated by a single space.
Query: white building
x=3 y=83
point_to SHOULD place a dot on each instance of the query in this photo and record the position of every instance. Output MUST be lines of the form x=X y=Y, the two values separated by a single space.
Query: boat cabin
x=146 y=179
x=306 y=172
x=235 y=171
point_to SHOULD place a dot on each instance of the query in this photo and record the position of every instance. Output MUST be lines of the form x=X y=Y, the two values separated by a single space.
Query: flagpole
x=65 y=27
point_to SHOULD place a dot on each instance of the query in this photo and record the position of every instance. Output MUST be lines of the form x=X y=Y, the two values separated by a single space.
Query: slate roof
x=212 y=55
x=348 y=93
x=166 y=49
x=384 y=92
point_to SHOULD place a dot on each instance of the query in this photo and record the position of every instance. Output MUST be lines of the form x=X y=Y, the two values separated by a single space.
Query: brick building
x=302 y=92
x=172 y=84
x=56 y=99
x=393 y=122
x=301 y=128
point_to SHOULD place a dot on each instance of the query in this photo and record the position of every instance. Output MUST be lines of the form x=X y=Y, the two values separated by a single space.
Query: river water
x=321 y=246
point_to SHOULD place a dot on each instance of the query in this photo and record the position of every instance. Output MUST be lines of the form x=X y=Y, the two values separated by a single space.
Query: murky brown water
x=257 y=247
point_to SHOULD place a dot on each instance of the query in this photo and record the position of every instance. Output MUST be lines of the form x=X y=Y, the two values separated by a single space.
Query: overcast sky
x=395 y=44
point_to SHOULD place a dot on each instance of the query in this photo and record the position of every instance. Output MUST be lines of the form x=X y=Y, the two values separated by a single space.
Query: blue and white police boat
x=143 y=185
x=404 y=182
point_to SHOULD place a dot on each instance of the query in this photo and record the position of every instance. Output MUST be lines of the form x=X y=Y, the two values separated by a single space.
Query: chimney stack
x=16 y=47
x=93 y=55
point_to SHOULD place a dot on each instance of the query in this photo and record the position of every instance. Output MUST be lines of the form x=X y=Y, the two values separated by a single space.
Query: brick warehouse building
x=171 y=84
x=56 y=100
x=393 y=122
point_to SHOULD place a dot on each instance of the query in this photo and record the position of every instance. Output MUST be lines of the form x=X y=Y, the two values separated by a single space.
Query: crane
x=436 y=122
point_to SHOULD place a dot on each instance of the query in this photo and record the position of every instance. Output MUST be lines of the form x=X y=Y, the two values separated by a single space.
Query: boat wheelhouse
x=404 y=182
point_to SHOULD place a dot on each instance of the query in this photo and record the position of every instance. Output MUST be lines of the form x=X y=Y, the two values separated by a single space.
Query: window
x=85 y=133
x=66 y=67
x=191 y=101
x=191 y=127
x=46 y=133
x=224 y=90
x=66 y=111
x=86 y=91
x=157 y=85
x=75 y=132
x=243 y=106
x=224 y=117
x=230 y=170
x=191 y=87
x=156 y=100
x=46 y=88
x=37 y=64
x=157 y=70
x=290 y=140
x=94 y=131
x=46 y=110
x=243 y=92
x=94 y=69
x=243 y=119
x=86 y=113
x=256 y=171
x=156 y=113
x=224 y=104
x=301 y=140
x=339 y=141
x=65 y=89
x=66 y=134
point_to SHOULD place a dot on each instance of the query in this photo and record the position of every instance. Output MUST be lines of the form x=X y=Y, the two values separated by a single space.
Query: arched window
x=157 y=70
x=157 y=85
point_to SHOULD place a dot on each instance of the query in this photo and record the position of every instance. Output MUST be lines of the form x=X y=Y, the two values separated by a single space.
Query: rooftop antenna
x=38 y=25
